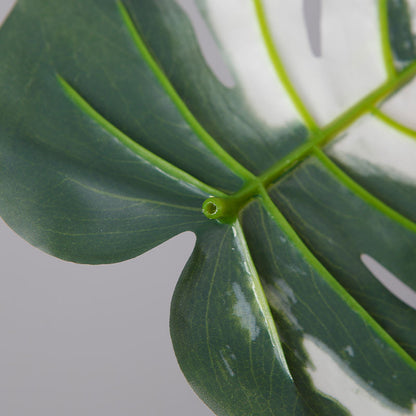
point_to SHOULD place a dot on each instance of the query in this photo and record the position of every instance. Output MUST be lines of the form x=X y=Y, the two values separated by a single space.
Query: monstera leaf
x=297 y=173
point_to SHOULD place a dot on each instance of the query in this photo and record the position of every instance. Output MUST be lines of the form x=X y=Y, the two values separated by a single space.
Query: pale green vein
x=367 y=103
x=124 y=232
x=385 y=38
x=338 y=125
x=203 y=135
x=261 y=298
x=333 y=283
x=362 y=193
x=145 y=154
x=207 y=310
x=280 y=69
x=394 y=124
x=318 y=139
x=131 y=198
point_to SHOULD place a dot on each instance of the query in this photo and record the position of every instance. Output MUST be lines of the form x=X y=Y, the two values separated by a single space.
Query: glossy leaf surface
x=219 y=300
x=295 y=171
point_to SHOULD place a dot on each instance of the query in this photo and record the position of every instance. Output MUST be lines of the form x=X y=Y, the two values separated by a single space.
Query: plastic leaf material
x=296 y=172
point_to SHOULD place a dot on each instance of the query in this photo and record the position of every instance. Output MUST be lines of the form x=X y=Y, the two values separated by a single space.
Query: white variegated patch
x=242 y=310
x=372 y=145
x=397 y=107
x=237 y=29
x=412 y=11
x=351 y=64
x=331 y=377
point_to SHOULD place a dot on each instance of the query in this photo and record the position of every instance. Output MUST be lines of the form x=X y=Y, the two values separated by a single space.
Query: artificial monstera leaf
x=295 y=171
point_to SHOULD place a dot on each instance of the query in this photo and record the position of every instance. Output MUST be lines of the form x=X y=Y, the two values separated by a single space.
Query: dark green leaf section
x=68 y=185
x=308 y=302
x=223 y=333
x=171 y=37
x=339 y=227
x=94 y=51
x=402 y=38
x=83 y=196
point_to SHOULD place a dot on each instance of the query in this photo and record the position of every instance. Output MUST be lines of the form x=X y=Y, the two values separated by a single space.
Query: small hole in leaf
x=312 y=12
x=6 y=7
x=392 y=283
x=207 y=43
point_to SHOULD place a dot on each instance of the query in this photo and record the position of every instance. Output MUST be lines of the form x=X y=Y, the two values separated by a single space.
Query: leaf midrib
x=317 y=139
x=393 y=82
x=256 y=186
x=281 y=221
x=129 y=143
x=204 y=136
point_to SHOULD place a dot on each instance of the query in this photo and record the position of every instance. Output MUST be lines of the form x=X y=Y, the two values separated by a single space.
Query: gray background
x=89 y=341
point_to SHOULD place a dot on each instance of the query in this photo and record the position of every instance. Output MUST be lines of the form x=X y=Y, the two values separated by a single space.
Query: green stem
x=367 y=103
x=225 y=209
x=322 y=137
x=339 y=124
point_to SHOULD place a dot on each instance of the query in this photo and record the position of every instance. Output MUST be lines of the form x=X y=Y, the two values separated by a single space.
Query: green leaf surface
x=223 y=333
x=402 y=38
x=230 y=121
x=296 y=173
x=85 y=190
x=309 y=305
x=340 y=227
